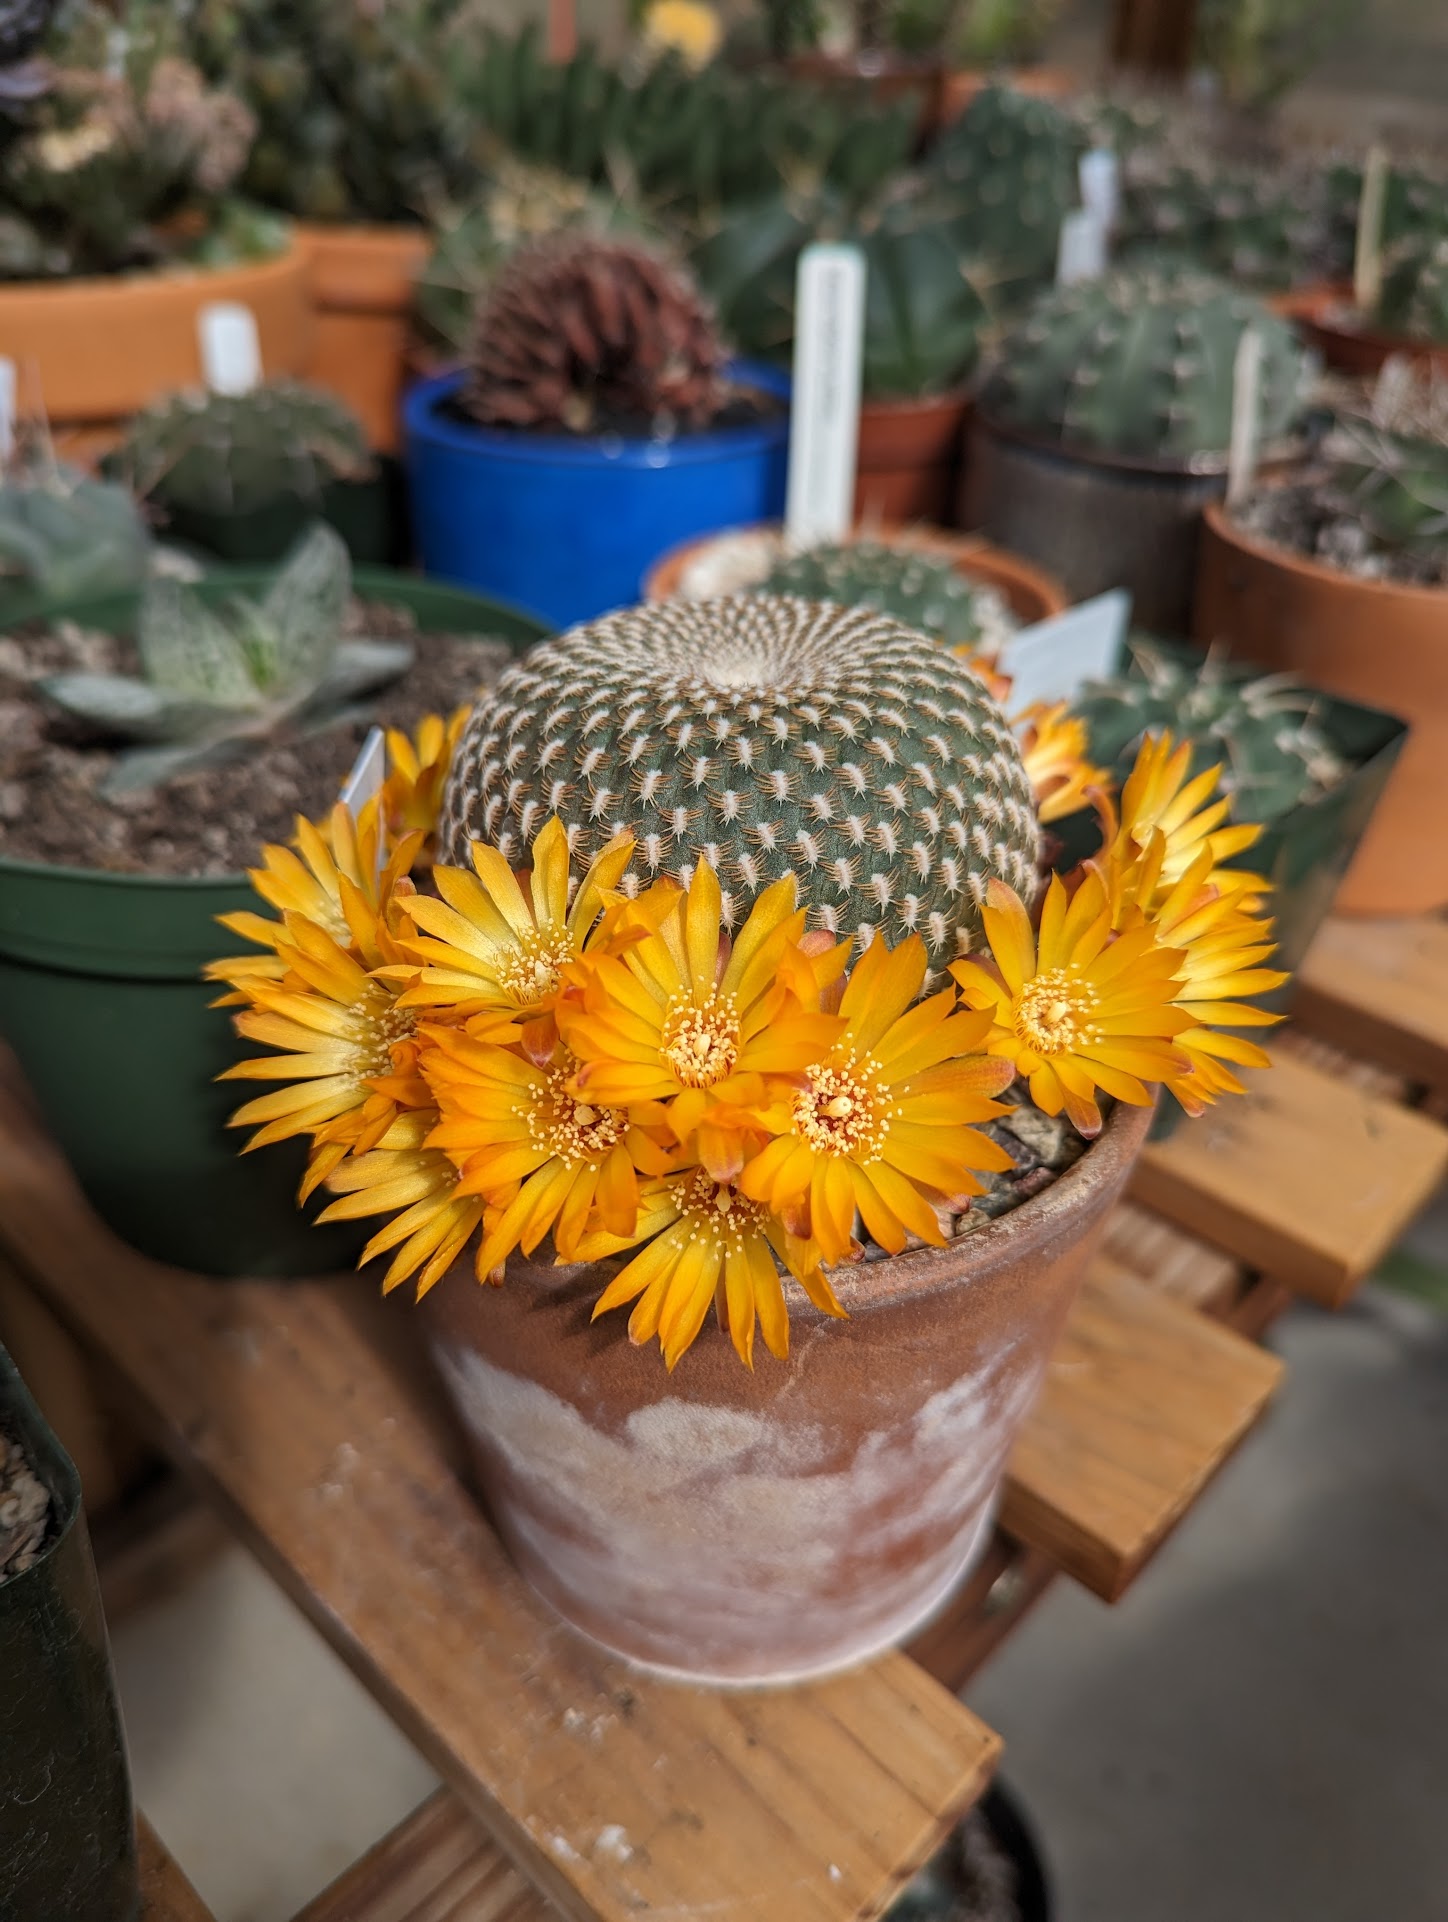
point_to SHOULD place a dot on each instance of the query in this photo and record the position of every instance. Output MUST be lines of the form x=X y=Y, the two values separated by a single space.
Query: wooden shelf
x=166 y=1895
x=1379 y=989
x=433 y=1867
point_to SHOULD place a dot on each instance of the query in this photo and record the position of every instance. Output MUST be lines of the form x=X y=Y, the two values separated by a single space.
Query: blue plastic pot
x=568 y=528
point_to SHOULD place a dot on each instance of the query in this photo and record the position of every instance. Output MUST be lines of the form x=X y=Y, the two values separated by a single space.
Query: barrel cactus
x=1260 y=727
x=769 y=736
x=234 y=453
x=917 y=588
x=1259 y=228
x=582 y=332
x=1010 y=164
x=1414 y=299
x=1141 y=363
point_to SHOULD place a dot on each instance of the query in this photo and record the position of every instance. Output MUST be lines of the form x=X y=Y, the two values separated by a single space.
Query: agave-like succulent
x=63 y=536
x=214 y=680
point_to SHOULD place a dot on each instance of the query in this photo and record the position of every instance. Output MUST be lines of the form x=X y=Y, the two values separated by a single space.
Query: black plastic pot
x=953 y=1882
x=1095 y=521
x=67 y=1830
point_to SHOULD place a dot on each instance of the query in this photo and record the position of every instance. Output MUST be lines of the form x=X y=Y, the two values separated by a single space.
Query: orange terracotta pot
x=1372 y=641
x=362 y=281
x=743 y=1528
x=907 y=467
x=1325 y=318
x=97 y=350
x=1026 y=590
x=1046 y=83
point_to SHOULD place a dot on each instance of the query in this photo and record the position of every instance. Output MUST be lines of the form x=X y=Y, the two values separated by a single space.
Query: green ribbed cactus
x=769 y=736
x=234 y=453
x=1009 y=163
x=1258 y=228
x=1141 y=363
x=924 y=317
x=916 y=588
x=64 y=536
x=1414 y=299
x=1260 y=727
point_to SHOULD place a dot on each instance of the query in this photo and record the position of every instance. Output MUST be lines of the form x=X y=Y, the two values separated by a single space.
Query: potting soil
x=1313 y=518
x=24 y=1511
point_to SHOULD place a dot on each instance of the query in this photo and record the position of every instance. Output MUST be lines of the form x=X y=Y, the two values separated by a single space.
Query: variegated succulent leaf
x=291 y=636
x=134 y=710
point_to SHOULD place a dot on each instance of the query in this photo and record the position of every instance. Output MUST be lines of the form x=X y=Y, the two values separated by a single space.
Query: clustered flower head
x=531 y=1057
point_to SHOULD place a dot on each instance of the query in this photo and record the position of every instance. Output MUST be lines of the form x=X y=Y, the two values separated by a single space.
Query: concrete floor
x=1258 y=1733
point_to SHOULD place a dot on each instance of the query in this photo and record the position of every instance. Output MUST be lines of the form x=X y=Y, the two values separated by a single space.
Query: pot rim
x=1205 y=466
x=1227 y=530
x=135 y=282
x=957 y=399
x=423 y=426
x=374 y=580
x=1320 y=312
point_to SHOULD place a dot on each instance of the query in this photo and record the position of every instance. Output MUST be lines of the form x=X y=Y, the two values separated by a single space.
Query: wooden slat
x=1328 y=1058
x=1308 y=1178
x=1170 y=1260
x=437 y=1866
x=1009 y=1582
x=301 y=1409
x=166 y=1895
x=1380 y=989
x=1144 y=1401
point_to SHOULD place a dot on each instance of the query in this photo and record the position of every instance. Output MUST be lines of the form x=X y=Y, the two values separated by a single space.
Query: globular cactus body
x=1142 y=364
x=916 y=588
x=1010 y=165
x=768 y=735
x=233 y=453
x=1259 y=229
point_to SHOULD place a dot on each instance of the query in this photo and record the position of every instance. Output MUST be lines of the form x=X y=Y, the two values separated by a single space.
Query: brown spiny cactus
x=583 y=332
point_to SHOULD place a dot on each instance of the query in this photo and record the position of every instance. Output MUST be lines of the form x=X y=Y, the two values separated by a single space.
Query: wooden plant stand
x=304 y=1414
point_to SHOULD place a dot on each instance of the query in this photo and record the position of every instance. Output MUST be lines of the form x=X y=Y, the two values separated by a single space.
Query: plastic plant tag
x=825 y=406
x=1053 y=660
x=368 y=773
x=230 y=347
x=7 y=409
x=1246 y=411
x=1081 y=252
x=1367 y=265
x=1099 y=174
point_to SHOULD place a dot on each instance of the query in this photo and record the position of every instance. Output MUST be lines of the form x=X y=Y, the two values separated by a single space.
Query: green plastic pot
x=101 y=998
x=67 y=1829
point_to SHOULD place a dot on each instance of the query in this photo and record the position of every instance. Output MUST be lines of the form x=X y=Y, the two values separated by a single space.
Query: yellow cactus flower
x=433 y=1219
x=417 y=771
x=707 y=1242
x=1054 y=746
x=1160 y=795
x=487 y=944
x=1076 y=1009
x=879 y=1126
x=686 y=27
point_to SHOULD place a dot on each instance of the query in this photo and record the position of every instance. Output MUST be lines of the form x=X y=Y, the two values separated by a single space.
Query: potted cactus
x=1306 y=766
x=63 y=537
x=151 y=743
x=1339 y=573
x=686 y=1053
x=1102 y=430
x=597 y=421
x=1409 y=318
x=924 y=321
x=67 y=1840
x=117 y=227
x=242 y=475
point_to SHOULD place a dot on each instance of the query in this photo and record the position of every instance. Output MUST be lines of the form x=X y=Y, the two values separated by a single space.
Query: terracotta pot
x=907 y=467
x=1372 y=641
x=886 y=76
x=1326 y=319
x=362 y=281
x=98 y=350
x=1046 y=83
x=1026 y=590
x=746 y=1528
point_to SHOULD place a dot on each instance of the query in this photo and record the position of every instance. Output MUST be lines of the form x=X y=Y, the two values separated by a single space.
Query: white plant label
x=825 y=406
x=1081 y=250
x=1246 y=413
x=8 y=404
x=230 y=347
x=1367 y=265
x=1053 y=660
x=1099 y=174
x=368 y=772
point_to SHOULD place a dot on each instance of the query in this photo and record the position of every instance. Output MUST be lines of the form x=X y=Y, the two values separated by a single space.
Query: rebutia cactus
x=580 y=332
x=64 y=536
x=1010 y=161
x=233 y=453
x=1414 y=299
x=924 y=316
x=769 y=736
x=1142 y=364
x=916 y=588
x=1259 y=726
x=214 y=679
